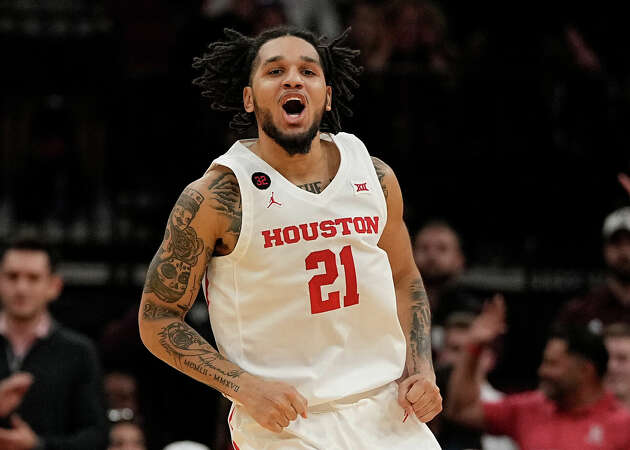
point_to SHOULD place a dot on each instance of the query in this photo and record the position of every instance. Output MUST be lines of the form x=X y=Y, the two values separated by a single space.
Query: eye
x=309 y=72
x=276 y=71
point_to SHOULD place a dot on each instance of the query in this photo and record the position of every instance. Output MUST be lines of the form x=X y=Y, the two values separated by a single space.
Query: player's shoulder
x=208 y=196
x=381 y=166
x=217 y=177
x=350 y=141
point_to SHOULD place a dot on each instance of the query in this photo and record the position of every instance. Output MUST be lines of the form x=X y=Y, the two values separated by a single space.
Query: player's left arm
x=417 y=391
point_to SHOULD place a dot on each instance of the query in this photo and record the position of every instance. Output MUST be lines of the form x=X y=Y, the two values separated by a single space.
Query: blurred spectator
x=126 y=436
x=439 y=257
x=456 y=342
x=121 y=394
x=421 y=77
x=617 y=339
x=63 y=407
x=269 y=14
x=316 y=15
x=371 y=36
x=609 y=302
x=571 y=408
x=420 y=43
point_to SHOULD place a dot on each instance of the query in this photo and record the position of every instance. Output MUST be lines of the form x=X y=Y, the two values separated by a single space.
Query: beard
x=293 y=144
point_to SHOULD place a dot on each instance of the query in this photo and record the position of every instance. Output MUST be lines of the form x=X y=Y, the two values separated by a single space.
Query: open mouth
x=293 y=106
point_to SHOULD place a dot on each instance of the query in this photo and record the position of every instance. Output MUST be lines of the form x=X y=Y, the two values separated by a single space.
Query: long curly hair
x=227 y=68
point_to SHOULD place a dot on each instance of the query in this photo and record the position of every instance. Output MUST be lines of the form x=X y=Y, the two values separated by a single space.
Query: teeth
x=292 y=98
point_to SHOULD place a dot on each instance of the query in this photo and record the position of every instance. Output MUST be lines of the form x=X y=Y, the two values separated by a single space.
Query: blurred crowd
x=505 y=125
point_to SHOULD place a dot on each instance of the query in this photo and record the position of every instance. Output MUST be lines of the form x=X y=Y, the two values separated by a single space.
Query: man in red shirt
x=570 y=410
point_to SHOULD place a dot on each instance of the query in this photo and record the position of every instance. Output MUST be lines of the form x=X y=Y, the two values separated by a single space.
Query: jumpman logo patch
x=272 y=201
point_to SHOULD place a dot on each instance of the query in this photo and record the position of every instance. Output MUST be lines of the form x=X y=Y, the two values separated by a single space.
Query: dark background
x=510 y=121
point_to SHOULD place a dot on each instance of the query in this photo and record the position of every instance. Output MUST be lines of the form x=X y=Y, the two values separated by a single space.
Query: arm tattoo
x=180 y=339
x=157 y=312
x=187 y=348
x=169 y=272
x=381 y=169
x=226 y=198
x=420 y=335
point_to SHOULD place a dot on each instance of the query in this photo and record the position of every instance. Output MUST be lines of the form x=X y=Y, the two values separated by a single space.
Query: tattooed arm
x=418 y=391
x=205 y=221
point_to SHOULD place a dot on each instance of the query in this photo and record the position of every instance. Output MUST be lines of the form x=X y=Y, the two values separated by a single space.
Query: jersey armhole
x=244 y=237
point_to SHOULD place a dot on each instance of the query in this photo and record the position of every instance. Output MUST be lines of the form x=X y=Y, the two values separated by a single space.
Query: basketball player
x=297 y=239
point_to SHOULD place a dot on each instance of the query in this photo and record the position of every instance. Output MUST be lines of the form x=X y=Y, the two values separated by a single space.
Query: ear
x=248 y=99
x=328 y=98
x=55 y=287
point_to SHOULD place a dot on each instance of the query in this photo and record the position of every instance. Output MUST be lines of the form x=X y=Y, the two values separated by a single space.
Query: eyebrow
x=280 y=57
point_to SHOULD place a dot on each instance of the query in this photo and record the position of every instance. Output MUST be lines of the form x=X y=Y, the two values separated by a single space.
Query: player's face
x=26 y=283
x=288 y=92
x=559 y=371
x=437 y=254
x=617 y=255
x=618 y=373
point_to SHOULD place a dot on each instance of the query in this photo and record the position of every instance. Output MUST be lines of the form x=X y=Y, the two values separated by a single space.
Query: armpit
x=225 y=197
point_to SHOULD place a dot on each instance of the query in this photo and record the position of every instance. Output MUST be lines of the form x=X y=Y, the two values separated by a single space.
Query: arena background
x=510 y=121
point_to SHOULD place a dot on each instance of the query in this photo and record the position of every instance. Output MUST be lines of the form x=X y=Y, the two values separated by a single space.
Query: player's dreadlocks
x=227 y=68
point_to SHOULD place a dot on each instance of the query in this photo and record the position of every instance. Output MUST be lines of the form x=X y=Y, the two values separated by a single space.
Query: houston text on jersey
x=325 y=229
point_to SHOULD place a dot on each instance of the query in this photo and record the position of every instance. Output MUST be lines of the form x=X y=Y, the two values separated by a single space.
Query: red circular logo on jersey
x=261 y=180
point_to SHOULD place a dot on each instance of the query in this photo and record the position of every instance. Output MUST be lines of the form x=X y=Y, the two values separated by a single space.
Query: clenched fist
x=273 y=404
x=420 y=396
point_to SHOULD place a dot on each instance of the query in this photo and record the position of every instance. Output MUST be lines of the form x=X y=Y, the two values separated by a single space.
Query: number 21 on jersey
x=318 y=304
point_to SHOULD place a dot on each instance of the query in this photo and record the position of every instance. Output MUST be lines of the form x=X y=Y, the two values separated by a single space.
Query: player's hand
x=420 y=396
x=12 y=390
x=273 y=404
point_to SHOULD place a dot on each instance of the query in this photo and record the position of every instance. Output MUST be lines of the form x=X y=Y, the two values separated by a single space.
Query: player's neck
x=292 y=167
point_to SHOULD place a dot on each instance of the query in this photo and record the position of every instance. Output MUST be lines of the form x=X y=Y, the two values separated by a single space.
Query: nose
x=293 y=79
x=22 y=285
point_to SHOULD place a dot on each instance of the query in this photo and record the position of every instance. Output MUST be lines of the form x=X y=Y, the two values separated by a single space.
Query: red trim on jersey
x=230 y=419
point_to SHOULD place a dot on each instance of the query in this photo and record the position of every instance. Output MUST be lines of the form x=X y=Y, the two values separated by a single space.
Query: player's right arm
x=205 y=221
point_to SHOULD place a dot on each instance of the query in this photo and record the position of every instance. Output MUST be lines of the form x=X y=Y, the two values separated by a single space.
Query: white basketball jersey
x=307 y=296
